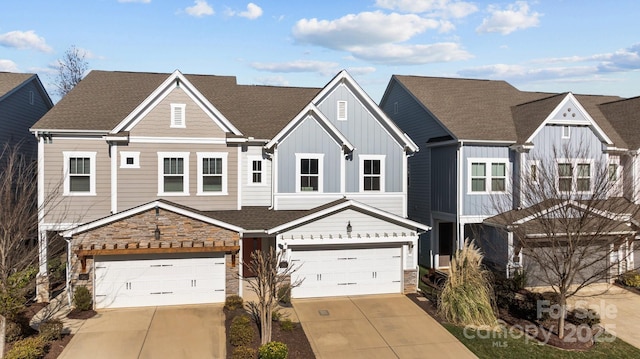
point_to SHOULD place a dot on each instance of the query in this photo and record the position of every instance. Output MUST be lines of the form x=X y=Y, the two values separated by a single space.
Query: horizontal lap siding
x=362 y=224
x=75 y=209
x=255 y=195
x=483 y=204
x=140 y=185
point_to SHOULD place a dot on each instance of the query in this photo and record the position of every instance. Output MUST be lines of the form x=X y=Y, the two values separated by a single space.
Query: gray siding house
x=482 y=143
x=23 y=101
x=166 y=183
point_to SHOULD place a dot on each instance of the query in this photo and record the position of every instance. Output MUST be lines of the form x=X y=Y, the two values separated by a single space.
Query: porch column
x=42 y=279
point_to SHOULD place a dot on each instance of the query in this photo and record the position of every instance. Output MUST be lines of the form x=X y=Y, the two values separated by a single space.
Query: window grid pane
x=256 y=176
x=79 y=174
x=372 y=173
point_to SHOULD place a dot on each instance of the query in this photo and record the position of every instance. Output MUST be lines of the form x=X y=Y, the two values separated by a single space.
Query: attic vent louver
x=342 y=110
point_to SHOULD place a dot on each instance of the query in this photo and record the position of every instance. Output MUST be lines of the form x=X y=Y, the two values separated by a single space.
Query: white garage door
x=336 y=272
x=148 y=281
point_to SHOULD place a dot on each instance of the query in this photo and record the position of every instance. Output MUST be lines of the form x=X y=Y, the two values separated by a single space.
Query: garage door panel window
x=80 y=170
x=173 y=173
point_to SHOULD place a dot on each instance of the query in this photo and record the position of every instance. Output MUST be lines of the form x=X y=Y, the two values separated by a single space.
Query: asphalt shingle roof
x=104 y=98
x=10 y=80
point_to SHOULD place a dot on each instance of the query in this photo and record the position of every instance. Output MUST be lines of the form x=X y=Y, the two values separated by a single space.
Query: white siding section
x=255 y=194
x=389 y=202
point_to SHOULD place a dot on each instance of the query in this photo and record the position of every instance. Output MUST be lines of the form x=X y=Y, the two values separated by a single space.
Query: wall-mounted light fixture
x=349 y=228
x=157 y=233
x=157 y=212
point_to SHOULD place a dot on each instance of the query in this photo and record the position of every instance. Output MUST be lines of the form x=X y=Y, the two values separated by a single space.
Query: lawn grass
x=522 y=348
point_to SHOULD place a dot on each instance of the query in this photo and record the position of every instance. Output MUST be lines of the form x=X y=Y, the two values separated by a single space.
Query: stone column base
x=410 y=281
x=42 y=288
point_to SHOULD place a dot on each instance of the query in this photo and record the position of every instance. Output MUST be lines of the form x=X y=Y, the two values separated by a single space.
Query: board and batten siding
x=482 y=204
x=140 y=185
x=581 y=141
x=309 y=137
x=367 y=135
x=255 y=194
x=75 y=209
x=17 y=115
x=420 y=125
x=157 y=123
x=444 y=181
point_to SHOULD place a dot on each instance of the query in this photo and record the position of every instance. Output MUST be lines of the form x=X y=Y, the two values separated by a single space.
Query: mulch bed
x=635 y=290
x=76 y=313
x=296 y=340
x=542 y=333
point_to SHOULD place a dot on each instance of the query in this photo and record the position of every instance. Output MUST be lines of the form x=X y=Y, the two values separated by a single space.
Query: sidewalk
x=58 y=308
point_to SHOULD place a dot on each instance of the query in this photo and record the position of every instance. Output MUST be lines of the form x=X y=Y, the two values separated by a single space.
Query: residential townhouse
x=163 y=184
x=482 y=141
x=23 y=101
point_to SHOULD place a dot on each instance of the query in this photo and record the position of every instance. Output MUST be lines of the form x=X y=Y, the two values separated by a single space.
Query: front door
x=249 y=245
x=445 y=243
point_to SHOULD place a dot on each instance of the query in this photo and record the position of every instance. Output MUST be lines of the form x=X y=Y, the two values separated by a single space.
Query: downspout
x=68 y=279
x=460 y=192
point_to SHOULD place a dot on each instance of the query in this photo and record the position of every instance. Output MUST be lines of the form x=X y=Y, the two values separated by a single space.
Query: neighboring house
x=165 y=183
x=479 y=140
x=23 y=101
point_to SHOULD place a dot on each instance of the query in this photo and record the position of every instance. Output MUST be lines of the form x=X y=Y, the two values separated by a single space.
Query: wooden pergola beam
x=119 y=251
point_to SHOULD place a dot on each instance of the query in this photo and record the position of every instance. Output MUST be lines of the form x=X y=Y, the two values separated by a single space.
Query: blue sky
x=582 y=46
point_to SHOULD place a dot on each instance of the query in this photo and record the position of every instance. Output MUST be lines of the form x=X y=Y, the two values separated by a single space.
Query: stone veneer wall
x=139 y=230
x=410 y=281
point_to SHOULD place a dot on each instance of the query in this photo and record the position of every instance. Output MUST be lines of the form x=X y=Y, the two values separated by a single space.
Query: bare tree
x=270 y=278
x=71 y=69
x=570 y=219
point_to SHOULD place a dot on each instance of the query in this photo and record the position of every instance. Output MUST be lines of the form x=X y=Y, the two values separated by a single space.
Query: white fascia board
x=145 y=207
x=312 y=110
x=570 y=97
x=162 y=91
x=344 y=76
x=344 y=205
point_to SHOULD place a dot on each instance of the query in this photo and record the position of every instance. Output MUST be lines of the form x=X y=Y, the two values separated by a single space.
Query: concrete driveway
x=619 y=310
x=372 y=327
x=155 y=332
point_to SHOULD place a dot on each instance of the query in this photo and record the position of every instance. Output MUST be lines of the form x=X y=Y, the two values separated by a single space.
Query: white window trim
x=67 y=155
x=202 y=155
x=568 y=129
x=126 y=154
x=250 y=182
x=183 y=110
x=320 y=158
x=346 y=109
x=488 y=162
x=574 y=162
x=362 y=158
x=185 y=178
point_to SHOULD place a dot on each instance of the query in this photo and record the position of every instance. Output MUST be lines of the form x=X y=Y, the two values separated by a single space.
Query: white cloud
x=519 y=72
x=516 y=16
x=321 y=67
x=361 y=70
x=140 y=1
x=201 y=8
x=443 y=8
x=8 y=66
x=363 y=29
x=253 y=12
x=24 y=40
x=399 y=54
x=272 y=81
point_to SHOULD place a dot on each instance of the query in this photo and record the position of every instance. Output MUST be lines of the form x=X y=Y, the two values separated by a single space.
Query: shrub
x=241 y=331
x=82 y=298
x=630 y=279
x=29 y=348
x=13 y=332
x=243 y=352
x=581 y=316
x=233 y=302
x=287 y=325
x=276 y=315
x=467 y=297
x=51 y=330
x=273 y=350
x=520 y=279
x=284 y=294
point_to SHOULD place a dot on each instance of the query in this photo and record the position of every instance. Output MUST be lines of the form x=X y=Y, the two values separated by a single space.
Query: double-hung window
x=80 y=170
x=255 y=174
x=570 y=172
x=212 y=173
x=487 y=176
x=309 y=172
x=173 y=173
x=372 y=173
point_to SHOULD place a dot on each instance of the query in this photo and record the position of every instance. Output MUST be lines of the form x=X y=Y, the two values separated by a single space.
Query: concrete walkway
x=195 y=331
x=619 y=309
x=372 y=327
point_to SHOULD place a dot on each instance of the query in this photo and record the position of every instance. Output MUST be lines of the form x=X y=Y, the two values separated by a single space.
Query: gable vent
x=342 y=110
x=177 y=115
